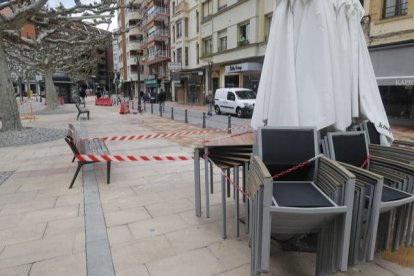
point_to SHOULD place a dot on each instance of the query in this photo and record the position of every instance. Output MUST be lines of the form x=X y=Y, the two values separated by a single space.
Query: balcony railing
x=396 y=10
x=156 y=56
x=158 y=12
x=159 y=34
x=243 y=42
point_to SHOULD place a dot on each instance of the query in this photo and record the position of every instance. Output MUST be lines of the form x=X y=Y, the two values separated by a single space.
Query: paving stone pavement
x=148 y=208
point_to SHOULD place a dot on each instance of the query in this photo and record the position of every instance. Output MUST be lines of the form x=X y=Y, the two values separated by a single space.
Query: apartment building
x=389 y=26
x=217 y=43
x=130 y=41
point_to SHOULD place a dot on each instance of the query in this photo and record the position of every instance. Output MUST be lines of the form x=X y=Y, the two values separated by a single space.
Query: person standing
x=162 y=96
x=82 y=96
x=210 y=102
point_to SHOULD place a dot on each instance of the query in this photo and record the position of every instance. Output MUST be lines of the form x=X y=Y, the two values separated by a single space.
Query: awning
x=393 y=65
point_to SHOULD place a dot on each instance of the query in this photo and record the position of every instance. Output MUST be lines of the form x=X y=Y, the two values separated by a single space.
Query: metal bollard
x=204 y=120
x=172 y=113
x=152 y=109
x=185 y=116
x=229 y=124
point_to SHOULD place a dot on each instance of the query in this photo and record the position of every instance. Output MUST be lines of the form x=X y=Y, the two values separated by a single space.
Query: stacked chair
x=383 y=203
x=316 y=197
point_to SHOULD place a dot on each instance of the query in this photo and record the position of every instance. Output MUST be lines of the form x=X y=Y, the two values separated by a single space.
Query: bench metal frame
x=79 y=146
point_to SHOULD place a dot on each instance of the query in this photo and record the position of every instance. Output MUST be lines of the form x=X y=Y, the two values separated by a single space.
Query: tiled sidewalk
x=148 y=209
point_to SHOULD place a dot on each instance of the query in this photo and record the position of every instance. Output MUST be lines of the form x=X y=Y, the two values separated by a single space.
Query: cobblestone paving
x=30 y=136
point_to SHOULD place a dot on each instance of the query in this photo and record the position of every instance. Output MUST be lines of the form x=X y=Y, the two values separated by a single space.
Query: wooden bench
x=86 y=146
x=82 y=110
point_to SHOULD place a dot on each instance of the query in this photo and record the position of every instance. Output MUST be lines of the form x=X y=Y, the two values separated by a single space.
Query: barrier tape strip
x=121 y=158
x=294 y=168
x=163 y=135
x=226 y=137
x=365 y=162
x=237 y=186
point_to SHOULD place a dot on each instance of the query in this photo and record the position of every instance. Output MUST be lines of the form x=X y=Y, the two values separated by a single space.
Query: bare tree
x=16 y=13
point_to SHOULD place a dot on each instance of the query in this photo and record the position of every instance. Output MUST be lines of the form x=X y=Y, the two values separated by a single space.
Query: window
x=186 y=27
x=173 y=33
x=244 y=34
x=222 y=4
x=179 y=54
x=173 y=7
x=198 y=53
x=179 y=26
x=222 y=42
x=207 y=10
x=268 y=24
x=395 y=8
x=231 y=96
x=197 y=19
x=186 y=55
x=208 y=46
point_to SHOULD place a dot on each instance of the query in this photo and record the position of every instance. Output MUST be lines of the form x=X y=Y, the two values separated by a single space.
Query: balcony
x=157 y=35
x=181 y=8
x=158 y=14
x=157 y=56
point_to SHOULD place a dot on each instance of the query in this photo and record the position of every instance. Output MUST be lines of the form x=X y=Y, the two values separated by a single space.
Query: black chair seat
x=299 y=194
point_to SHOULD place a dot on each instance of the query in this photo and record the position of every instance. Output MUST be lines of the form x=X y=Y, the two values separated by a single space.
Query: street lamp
x=139 y=82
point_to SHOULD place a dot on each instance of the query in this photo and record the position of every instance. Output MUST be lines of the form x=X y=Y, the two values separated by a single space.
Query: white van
x=239 y=101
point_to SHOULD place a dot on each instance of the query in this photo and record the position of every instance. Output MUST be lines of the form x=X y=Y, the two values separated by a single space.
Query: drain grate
x=4 y=175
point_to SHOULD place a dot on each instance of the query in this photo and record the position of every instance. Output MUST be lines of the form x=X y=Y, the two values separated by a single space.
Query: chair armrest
x=258 y=175
x=393 y=164
x=330 y=173
x=363 y=175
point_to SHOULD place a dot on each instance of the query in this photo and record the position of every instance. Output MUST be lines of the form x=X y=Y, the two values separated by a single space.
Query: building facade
x=389 y=26
x=217 y=43
x=191 y=47
x=156 y=45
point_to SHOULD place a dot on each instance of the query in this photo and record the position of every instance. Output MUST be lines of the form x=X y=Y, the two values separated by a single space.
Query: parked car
x=238 y=101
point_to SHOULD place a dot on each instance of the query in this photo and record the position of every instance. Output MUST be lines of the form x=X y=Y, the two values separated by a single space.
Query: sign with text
x=174 y=66
x=243 y=67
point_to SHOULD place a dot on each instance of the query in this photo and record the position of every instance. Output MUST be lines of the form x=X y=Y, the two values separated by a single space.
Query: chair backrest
x=283 y=147
x=372 y=133
x=348 y=147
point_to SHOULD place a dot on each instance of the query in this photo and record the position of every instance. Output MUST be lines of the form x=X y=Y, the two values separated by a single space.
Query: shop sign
x=404 y=82
x=242 y=67
x=174 y=66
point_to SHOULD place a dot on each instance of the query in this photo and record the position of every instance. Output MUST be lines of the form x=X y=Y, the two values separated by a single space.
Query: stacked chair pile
x=317 y=198
x=360 y=203
x=384 y=193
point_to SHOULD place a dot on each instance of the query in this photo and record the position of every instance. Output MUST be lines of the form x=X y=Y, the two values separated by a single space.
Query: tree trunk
x=9 y=112
x=51 y=93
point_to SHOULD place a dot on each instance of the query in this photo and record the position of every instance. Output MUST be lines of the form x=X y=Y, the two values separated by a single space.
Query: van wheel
x=239 y=112
x=217 y=110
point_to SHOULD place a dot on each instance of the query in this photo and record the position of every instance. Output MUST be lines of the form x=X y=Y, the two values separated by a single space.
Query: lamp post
x=139 y=83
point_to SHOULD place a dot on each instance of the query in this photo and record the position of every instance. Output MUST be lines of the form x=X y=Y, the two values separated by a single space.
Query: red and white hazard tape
x=120 y=158
x=226 y=137
x=294 y=168
x=164 y=135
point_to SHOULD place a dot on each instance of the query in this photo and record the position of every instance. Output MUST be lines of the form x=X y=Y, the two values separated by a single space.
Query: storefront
x=188 y=87
x=394 y=70
x=245 y=75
